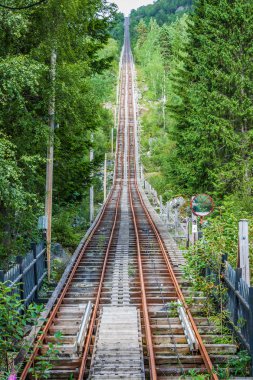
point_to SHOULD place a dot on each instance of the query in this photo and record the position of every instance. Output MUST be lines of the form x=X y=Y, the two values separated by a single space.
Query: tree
x=78 y=30
x=213 y=124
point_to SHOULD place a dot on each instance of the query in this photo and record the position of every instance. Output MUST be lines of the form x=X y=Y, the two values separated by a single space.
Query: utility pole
x=92 y=187
x=50 y=161
x=105 y=175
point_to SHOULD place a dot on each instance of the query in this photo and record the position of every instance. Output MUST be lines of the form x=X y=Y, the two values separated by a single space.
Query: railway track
x=123 y=313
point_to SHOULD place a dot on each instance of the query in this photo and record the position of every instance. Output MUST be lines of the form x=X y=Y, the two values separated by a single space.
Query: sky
x=125 y=6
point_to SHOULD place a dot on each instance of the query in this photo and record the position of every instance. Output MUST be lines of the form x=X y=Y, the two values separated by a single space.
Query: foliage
x=158 y=52
x=79 y=31
x=16 y=203
x=201 y=142
x=44 y=363
x=117 y=30
x=14 y=319
x=240 y=363
x=213 y=120
x=162 y=11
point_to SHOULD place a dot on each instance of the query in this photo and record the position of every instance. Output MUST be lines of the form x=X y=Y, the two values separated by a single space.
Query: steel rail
x=120 y=136
x=205 y=356
x=125 y=105
x=59 y=301
x=68 y=283
x=202 y=348
x=94 y=314
x=150 y=347
x=148 y=332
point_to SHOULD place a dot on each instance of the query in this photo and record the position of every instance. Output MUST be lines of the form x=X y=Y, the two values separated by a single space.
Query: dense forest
x=163 y=11
x=81 y=33
x=195 y=85
x=196 y=89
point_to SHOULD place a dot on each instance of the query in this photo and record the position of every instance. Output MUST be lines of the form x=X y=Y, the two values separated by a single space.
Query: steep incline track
x=131 y=329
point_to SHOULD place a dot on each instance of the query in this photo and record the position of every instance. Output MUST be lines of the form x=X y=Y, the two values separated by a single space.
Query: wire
x=24 y=7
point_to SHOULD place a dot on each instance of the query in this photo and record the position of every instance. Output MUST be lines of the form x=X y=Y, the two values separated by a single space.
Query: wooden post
x=50 y=162
x=19 y=261
x=244 y=249
x=250 y=325
x=92 y=187
x=105 y=179
x=238 y=276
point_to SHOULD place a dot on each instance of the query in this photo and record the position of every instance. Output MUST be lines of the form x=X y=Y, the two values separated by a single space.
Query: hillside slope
x=163 y=11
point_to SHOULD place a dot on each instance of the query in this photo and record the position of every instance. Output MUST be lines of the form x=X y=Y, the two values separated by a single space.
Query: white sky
x=125 y=6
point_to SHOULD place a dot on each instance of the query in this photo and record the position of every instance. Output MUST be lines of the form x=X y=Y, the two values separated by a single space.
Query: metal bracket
x=189 y=333
x=81 y=335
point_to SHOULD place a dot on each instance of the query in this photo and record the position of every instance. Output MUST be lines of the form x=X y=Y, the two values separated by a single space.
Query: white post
x=194 y=228
x=167 y=213
x=244 y=249
x=161 y=205
x=176 y=221
x=105 y=179
x=92 y=187
x=142 y=173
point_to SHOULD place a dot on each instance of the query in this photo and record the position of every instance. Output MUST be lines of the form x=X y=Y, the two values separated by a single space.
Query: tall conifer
x=214 y=122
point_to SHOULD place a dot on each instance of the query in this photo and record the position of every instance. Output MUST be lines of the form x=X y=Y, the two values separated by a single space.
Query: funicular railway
x=123 y=312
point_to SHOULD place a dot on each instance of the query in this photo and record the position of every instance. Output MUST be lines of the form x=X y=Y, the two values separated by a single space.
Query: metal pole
x=188 y=233
x=112 y=142
x=50 y=162
x=92 y=187
x=105 y=175
x=244 y=249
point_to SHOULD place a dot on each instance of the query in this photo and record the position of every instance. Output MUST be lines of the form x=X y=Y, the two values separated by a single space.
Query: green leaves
x=209 y=99
x=78 y=30
x=13 y=321
x=12 y=193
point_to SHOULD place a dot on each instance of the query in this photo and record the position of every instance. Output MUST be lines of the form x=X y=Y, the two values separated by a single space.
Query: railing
x=26 y=276
x=169 y=213
x=238 y=302
x=238 y=295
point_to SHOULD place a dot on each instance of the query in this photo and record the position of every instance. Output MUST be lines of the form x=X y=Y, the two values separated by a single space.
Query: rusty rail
x=132 y=185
